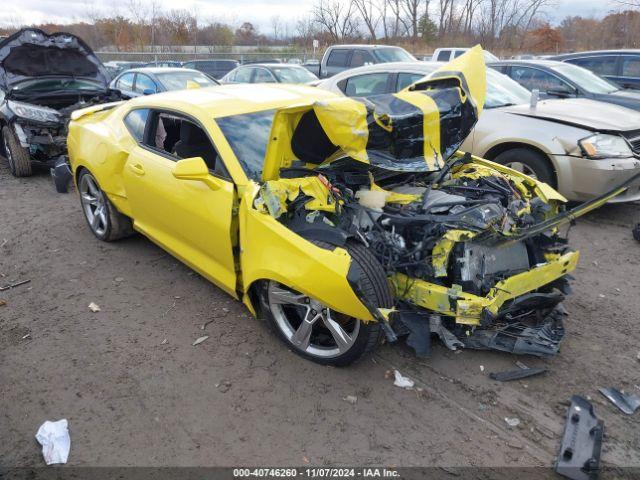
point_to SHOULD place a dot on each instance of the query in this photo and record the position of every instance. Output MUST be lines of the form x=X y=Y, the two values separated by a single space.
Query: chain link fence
x=185 y=56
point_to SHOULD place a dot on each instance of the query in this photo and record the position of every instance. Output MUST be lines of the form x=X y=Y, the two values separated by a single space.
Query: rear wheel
x=529 y=162
x=320 y=334
x=17 y=156
x=104 y=220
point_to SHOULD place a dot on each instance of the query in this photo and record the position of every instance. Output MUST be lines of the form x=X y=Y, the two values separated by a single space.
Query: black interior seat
x=195 y=143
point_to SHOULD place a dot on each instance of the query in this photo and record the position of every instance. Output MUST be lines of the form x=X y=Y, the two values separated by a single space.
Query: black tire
x=533 y=160
x=17 y=156
x=113 y=225
x=373 y=285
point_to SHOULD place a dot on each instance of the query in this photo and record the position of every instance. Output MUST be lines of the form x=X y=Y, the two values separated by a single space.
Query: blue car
x=619 y=66
x=146 y=81
x=555 y=79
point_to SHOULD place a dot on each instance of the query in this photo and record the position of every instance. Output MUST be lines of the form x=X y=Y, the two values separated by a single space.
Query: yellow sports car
x=337 y=220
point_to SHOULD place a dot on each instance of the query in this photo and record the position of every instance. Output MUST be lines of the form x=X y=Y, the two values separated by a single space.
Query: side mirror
x=148 y=91
x=561 y=92
x=195 y=169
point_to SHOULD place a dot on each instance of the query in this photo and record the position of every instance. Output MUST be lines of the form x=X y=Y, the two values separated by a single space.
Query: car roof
x=212 y=60
x=234 y=99
x=361 y=46
x=417 y=67
x=154 y=70
x=598 y=52
x=531 y=62
x=273 y=65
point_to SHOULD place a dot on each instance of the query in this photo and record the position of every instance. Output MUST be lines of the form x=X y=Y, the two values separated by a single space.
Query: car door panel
x=185 y=217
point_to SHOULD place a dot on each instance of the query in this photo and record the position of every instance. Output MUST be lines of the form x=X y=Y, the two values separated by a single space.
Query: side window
x=406 y=79
x=443 y=56
x=263 y=76
x=458 y=53
x=367 y=85
x=630 y=66
x=360 y=58
x=125 y=82
x=338 y=58
x=188 y=65
x=248 y=136
x=136 y=120
x=243 y=75
x=499 y=68
x=144 y=82
x=532 y=78
x=600 y=65
x=179 y=138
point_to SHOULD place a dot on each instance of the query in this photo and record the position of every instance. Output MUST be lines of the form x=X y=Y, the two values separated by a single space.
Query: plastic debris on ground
x=55 y=441
x=199 y=340
x=627 y=403
x=512 y=421
x=352 y=399
x=94 y=307
x=401 y=381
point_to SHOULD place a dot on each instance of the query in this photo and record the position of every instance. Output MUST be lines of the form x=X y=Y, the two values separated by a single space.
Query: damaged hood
x=580 y=112
x=416 y=129
x=31 y=53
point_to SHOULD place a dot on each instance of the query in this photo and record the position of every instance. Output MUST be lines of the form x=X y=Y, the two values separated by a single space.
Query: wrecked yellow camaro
x=339 y=221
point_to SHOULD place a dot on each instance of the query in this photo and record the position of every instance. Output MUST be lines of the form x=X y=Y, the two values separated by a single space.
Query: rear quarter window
x=136 y=121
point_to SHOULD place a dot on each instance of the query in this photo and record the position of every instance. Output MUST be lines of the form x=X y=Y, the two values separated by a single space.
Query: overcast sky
x=234 y=11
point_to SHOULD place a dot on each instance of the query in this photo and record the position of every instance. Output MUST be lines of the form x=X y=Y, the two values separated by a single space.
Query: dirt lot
x=240 y=397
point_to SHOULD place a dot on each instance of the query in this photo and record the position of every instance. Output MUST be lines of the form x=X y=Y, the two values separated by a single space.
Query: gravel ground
x=137 y=393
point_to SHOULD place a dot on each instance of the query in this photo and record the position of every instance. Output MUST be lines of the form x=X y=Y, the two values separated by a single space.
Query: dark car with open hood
x=43 y=78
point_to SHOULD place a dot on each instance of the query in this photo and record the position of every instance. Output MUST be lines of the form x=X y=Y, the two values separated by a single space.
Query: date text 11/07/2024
x=315 y=472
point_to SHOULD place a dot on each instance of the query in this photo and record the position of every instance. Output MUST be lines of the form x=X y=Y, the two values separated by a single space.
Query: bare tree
x=336 y=18
x=369 y=11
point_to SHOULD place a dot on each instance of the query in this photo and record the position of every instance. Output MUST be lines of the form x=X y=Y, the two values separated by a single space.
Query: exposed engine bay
x=471 y=249
x=443 y=239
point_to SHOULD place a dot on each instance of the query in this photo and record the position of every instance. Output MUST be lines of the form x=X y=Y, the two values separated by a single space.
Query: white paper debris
x=512 y=422
x=402 y=382
x=482 y=368
x=94 y=307
x=199 y=340
x=352 y=399
x=55 y=441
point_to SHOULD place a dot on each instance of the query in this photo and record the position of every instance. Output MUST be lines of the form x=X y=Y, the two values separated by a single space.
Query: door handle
x=137 y=169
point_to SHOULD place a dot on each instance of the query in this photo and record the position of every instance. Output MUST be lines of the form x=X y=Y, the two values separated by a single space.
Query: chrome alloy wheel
x=93 y=205
x=522 y=168
x=309 y=325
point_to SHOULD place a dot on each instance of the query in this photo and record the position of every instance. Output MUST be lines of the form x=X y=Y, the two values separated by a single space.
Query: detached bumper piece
x=542 y=340
x=579 y=455
x=61 y=174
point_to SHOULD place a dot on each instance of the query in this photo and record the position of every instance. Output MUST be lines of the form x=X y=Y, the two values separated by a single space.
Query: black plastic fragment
x=579 y=455
x=625 y=402
x=61 y=174
x=542 y=340
x=516 y=374
x=419 y=337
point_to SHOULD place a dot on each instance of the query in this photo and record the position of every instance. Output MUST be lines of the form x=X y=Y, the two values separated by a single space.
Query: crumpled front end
x=471 y=249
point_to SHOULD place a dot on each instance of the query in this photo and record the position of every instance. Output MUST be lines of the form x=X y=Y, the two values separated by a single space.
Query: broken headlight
x=602 y=145
x=34 y=112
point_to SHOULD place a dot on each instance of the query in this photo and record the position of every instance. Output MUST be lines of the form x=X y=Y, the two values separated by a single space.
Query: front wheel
x=529 y=162
x=17 y=156
x=320 y=334
x=103 y=218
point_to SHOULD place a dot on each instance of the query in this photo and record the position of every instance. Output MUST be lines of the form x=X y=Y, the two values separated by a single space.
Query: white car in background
x=580 y=146
x=448 y=54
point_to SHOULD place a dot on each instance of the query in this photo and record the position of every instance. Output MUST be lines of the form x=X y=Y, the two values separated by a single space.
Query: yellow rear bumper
x=468 y=308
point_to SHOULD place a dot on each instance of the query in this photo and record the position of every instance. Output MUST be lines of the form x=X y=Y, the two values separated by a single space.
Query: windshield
x=586 y=79
x=248 y=136
x=179 y=80
x=293 y=74
x=392 y=54
x=56 y=84
x=502 y=91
